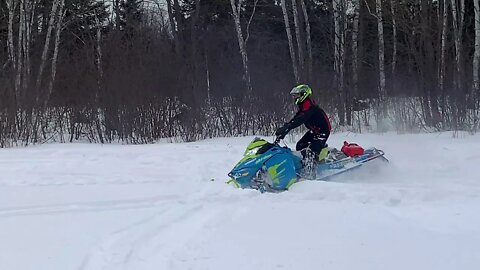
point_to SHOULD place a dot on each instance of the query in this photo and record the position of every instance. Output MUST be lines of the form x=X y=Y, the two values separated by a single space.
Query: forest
x=136 y=71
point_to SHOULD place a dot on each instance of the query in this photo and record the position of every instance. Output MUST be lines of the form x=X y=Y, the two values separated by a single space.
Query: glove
x=282 y=131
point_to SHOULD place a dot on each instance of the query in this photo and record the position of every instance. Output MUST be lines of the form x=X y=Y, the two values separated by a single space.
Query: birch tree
x=47 y=42
x=99 y=62
x=20 y=52
x=58 y=32
x=11 y=115
x=457 y=14
x=340 y=24
x=443 y=49
x=300 y=43
x=381 y=55
x=336 y=22
x=99 y=54
x=476 y=57
x=355 y=27
x=293 y=57
x=394 y=30
x=30 y=19
x=236 y=12
x=11 y=6
x=22 y=66
x=475 y=69
x=309 y=43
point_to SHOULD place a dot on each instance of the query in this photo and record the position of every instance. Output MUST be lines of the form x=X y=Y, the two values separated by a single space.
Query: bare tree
x=99 y=55
x=381 y=55
x=20 y=53
x=476 y=57
x=443 y=49
x=11 y=6
x=290 y=41
x=355 y=27
x=30 y=8
x=340 y=23
x=395 y=49
x=47 y=42
x=60 y=16
x=236 y=12
x=457 y=13
x=99 y=62
x=336 y=20
x=300 y=43
x=309 y=42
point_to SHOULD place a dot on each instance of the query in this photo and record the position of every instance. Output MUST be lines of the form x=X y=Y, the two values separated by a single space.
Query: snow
x=166 y=206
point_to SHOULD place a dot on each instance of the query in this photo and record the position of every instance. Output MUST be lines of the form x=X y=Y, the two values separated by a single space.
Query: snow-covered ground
x=166 y=206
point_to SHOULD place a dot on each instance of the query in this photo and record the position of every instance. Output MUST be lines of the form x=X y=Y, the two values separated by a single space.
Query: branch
x=6 y=64
x=240 y=2
x=369 y=11
x=234 y=9
x=250 y=21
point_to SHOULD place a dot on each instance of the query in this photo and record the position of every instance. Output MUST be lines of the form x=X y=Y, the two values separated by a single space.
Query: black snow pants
x=311 y=142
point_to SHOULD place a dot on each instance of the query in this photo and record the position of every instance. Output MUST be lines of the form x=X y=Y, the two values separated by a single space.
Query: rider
x=314 y=118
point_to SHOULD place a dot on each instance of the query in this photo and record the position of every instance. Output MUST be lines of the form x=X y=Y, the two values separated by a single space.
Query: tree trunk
x=24 y=44
x=193 y=54
x=116 y=10
x=207 y=76
x=30 y=18
x=99 y=61
x=11 y=6
x=476 y=57
x=336 y=18
x=179 y=21
x=290 y=41
x=58 y=32
x=47 y=44
x=394 y=53
x=250 y=21
x=381 y=57
x=173 y=26
x=99 y=58
x=300 y=43
x=236 y=11
x=346 y=92
x=20 y=54
x=338 y=11
x=354 y=95
x=356 y=20
x=443 y=51
x=309 y=43
x=457 y=33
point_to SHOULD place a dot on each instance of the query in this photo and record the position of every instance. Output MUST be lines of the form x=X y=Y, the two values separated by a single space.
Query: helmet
x=301 y=92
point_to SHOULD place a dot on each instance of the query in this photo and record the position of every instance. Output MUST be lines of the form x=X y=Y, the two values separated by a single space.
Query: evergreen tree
x=130 y=16
x=82 y=18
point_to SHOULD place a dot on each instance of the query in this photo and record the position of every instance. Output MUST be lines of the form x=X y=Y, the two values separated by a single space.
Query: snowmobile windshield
x=257 y=147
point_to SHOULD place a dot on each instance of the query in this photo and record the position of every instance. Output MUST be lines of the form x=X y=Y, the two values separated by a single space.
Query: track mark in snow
x=85 y=207
x=151 y=243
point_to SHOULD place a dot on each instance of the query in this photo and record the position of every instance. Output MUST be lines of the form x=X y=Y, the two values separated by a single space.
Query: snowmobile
x=269 y=167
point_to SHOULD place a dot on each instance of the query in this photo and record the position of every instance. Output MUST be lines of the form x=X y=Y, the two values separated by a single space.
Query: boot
x=309 y=163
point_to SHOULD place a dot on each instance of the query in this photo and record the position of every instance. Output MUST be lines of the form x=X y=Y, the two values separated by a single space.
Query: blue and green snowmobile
x=269 y=167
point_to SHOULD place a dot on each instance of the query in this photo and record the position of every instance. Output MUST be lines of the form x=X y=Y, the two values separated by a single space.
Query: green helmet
x=301 y=92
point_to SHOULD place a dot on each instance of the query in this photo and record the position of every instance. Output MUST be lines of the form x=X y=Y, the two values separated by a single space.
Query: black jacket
x=314 y=118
